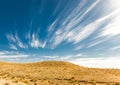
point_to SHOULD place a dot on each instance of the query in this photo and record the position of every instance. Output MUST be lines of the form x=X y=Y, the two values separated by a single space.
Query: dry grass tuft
x=6 y=84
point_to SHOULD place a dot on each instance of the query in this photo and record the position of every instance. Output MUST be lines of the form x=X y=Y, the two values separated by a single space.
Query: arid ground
x=55 y=73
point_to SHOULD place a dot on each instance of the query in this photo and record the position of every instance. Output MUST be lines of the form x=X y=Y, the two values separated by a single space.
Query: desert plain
x=55 y=73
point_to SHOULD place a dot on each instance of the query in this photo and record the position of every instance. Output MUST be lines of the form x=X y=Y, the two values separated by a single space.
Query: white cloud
x=88 y=30
x=3 y=52
x=115 y=48
x=113 y=27
x=97 y=41
x=19 y=43
x=28 y=35
x=109 y=62
x=44 y=44
x=78 y=47
x=77 y=20
x=57 y=39
x=52 y=26
x=74 y=14
x=35 y=42
x=50 y=57
x=66 y=57
x=10 y=37
x=94 y=44
x=78 y=55
x=14 y=41
x=11 y=54
x=11 y=46
x=114 y=4
x=71 y=30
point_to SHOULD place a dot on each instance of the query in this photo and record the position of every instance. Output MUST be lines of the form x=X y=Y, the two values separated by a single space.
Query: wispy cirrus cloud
x=63 y=57
x=15 y=42
x=71 y=30
x=71 y=25
x=97 y=41
x=19 y=42
x=32 y=40
x=12 y=46
x=78 y=47
x=35 y=42
x=109 y=31
x=79 y=55
x=52 y=26
x=12 y=54
x=10 y=37
x=112 y=28
x=115 y=48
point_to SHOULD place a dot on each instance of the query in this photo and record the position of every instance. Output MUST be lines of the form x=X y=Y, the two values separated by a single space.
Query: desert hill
x=56 y=73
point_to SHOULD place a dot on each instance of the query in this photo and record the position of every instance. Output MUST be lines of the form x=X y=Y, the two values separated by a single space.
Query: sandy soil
x=10 y=82
x=56 y=73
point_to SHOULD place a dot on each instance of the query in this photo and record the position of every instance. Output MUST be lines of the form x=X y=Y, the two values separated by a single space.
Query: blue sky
x=71 y=30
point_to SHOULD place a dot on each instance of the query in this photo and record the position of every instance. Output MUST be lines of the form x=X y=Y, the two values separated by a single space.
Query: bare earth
x=56 y=73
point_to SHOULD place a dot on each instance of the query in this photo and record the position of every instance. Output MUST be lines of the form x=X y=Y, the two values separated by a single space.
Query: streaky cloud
x=112 y=28
x=71 y=25
x=35 y=42
x=10 y=37
x=12 y=46
x=19 y=42
x=78 y=47
x=15 y=41
x=12 y=54
x=115 y=48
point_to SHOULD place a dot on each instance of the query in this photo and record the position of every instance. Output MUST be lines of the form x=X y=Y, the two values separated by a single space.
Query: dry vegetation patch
x=56 y=73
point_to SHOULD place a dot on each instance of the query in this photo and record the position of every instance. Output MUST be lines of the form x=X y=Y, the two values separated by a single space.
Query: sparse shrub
x=73 y=77
x=35 y=84
x=6 y=84
x=108 y=84
x=117 y=84
x=26 y=81
x=15 y=81
x=31 y=80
